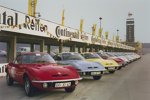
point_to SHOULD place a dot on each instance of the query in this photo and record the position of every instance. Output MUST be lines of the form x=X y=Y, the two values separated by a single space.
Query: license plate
x=112 y=68
x=66 y=84
x=95 y=73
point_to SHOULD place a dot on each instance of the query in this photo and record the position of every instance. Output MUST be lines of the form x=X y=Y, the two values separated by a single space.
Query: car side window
x=18 y=60
x=26 y=59
x=85 y=56
x=57 y=58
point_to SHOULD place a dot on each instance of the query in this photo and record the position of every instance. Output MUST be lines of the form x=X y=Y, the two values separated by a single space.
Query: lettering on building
x=10 y=20
x=66 y=33
x=34 y=24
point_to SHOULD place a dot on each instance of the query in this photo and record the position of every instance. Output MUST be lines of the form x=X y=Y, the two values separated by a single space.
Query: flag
x=94 y=29
x=35 y=4
x=63 y=17
x=117 y=38
x=81 y=25
x=113 y=38
x=100 y=32
x=106 y=35
x=32 y=7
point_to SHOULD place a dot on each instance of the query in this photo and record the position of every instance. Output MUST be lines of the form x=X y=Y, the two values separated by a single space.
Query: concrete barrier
x=2 y=69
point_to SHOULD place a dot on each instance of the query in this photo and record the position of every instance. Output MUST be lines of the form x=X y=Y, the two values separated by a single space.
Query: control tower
x=130 y=30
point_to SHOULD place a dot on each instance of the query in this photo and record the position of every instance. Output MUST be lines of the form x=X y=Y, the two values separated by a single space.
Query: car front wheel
x=119 y=68
x=70 y=89
x=28 y=87
x=9 y=80
x=112 y=71
x=97 y=77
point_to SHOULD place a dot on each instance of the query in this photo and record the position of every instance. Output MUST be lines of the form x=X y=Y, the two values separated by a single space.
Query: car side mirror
x=57 y=58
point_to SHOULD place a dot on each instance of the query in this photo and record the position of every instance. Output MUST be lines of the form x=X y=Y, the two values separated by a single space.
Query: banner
x=81 y=25
x=100 y=32
x=94 y=29
x=106 y=35
x=32 y=7
x=63 y=17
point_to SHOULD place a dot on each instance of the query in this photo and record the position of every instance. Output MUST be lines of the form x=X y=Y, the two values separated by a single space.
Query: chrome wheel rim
x=27 y=86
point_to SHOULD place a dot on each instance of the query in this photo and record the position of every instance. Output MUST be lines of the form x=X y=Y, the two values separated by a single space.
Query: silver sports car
x=84 y=67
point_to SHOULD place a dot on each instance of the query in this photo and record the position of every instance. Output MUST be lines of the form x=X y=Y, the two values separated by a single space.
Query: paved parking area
x=129 y=83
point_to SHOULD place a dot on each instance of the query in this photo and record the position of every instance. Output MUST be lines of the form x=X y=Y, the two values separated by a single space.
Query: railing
x=2 y=69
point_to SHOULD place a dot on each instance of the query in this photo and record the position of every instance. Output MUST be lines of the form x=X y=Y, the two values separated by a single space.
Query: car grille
x=87 y=73
x=92 y=67
x=59 y=75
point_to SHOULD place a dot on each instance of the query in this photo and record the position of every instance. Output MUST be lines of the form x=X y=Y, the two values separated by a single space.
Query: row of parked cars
x=38 y=70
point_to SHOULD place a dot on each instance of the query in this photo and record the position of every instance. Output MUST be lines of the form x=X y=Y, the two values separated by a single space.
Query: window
x=18 y=60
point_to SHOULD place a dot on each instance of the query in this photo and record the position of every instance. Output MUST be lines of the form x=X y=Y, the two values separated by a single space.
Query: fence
x=2 y=69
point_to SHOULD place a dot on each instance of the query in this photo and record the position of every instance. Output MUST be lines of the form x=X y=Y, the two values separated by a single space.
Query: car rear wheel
x=97 y=77
x=112 y=71
x=70 y=89
x=28 y=87
x=9 y=80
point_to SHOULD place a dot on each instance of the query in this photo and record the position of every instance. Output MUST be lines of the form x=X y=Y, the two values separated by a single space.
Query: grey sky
x=113 y=12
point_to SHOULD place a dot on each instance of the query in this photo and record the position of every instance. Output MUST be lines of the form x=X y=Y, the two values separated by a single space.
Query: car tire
x=9 y=80
x=119 y=68
x=70 y=89
x=112 y=71
x=97 y=77
x=29 y=89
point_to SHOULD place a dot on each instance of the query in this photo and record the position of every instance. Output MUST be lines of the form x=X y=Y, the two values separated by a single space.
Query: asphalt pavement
x=129 y=83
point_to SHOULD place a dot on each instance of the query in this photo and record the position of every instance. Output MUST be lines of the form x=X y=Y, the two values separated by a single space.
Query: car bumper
x=111 y=68
x=51 y=84
x=91 y=73
x=65 y=80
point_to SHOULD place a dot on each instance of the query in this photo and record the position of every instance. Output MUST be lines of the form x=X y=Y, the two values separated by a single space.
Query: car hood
x=105 y=63
x=51 y=72
x=83 y=65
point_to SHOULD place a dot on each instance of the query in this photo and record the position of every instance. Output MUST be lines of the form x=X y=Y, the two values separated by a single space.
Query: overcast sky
x=113 y=12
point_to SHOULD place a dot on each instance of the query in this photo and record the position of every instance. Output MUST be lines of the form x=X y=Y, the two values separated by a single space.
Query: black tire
x=29 y=89
x=70 y=89
x=9 y=80
x=97 y=77
x=119 y=68
x=112 y=71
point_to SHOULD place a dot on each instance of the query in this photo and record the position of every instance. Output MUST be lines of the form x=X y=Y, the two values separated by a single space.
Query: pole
x=100 y=22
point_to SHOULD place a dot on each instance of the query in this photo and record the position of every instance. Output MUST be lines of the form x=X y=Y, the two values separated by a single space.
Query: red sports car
x=39 y=70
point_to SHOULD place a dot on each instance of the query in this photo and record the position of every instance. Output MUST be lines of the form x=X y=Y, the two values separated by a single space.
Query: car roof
x=88 y=53
x=24 y=53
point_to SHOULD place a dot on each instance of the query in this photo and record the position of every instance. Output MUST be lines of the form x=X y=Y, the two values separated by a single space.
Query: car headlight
x=76 y=82
x=45 y=85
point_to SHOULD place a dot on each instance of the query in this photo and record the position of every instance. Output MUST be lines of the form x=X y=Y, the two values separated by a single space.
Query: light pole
x=100 y=18
x=117 y=32
x=117 y=35
x=100 y=22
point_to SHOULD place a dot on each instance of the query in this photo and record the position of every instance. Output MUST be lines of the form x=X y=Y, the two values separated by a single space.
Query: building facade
x=130 y=30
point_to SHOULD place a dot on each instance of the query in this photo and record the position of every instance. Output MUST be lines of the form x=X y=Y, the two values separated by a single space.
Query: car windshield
x=37 y=58
x=103 y=54
x=91 y=55
x=72 y=56
x=110 y=55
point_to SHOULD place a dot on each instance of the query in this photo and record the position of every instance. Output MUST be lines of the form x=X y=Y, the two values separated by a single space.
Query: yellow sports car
x=110 y=65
